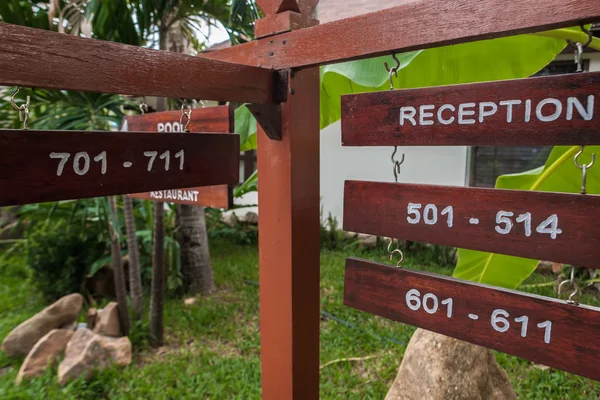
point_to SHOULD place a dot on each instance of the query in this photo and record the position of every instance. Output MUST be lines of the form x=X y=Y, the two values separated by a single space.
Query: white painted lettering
x=195 y=193
x=440 y=116
x=409 y=114
x=509 y=108
x=527 y=110
x=463 y=112
x=491 y=109
x=587 y=115
x=549 y=118
x=424 y=114
x=161 y=127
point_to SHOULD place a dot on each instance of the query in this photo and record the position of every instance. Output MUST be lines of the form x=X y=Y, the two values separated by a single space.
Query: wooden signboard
x=551 y=226
x=558 y=110
x=219 y=119
x=540 y=329
x=39 y=166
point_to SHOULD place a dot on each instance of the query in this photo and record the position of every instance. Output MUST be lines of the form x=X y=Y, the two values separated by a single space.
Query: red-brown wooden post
x=289 y=240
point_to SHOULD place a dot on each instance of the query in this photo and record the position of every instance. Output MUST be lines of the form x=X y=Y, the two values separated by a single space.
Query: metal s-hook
x=143 y=106
x=579 y=49
x=186 y=111
x=584 y=168
x=395 y=251
x=571 y=283
x=23 y=109
x=396 y=163
x=393 y=71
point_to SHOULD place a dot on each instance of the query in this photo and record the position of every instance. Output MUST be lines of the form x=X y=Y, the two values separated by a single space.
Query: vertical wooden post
x=289 y=241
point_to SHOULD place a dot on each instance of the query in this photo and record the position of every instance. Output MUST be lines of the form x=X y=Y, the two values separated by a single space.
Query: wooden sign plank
x=38 y=166
x=557 y=110
x=43 y=59
x=540 y=329
x=368 y=35
x=550 y=226
x=208 y=119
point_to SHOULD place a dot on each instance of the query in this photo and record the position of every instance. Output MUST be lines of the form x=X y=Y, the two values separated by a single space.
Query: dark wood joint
x=269 y=118
x=281 y=81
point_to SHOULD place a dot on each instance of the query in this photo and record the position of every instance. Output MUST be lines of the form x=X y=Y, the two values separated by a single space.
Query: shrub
x=59 y=258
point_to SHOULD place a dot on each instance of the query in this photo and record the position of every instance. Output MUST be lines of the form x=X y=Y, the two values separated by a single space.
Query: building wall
x=429 y=165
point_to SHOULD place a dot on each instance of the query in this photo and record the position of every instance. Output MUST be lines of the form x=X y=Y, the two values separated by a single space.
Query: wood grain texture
x=37 y=58
x=208 y=119
x=370 y=35
x=28 y=174
x=288 y=229
x=573 y=346
x=384 y=118
x=382 y=209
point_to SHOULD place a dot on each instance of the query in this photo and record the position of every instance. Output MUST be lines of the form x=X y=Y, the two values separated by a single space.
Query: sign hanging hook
x=143 y=106
x=584 y=168
x=393 y=71
x=397 y=163
x=186 y=111
x=579 y=49
x=395 y=251
x=23 y=109
x=571 y=282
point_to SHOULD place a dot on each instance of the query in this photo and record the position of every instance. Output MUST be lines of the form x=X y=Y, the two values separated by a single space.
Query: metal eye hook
x=396 y=163
x=395 y=251
x=393 y=71
x=143 y=106
x=571 y=283
x=584 y=168
x=23 y=109
x=186 y=111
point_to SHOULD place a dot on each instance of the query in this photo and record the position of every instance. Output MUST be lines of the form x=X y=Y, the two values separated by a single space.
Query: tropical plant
x=559 y=174
x=135 y=275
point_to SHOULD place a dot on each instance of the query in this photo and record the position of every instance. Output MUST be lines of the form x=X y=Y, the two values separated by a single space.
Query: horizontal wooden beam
x=40 y=166
x=414 y=26
x=547 y=111
x=43 y=59
x=557 y=227
x=540 y=329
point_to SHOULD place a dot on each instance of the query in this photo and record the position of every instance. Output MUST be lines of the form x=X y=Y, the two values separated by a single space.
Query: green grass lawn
x=213 y=347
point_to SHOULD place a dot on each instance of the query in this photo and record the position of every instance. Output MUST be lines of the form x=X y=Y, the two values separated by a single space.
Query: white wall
x=430 y=165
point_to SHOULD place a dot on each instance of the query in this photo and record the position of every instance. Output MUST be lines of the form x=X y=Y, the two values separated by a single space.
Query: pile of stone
x=54 y=332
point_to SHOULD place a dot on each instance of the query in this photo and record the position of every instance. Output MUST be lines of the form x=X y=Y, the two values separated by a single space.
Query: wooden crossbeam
x=42 y=59
x=418 y=25
x=540 y=329
x=547 y=111
x=40 y=166
x=550 y=226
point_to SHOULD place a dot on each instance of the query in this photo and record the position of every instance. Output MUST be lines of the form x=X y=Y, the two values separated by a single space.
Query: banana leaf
x=559 y=174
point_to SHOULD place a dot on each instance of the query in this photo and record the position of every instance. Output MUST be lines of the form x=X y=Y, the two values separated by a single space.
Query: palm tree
x=119 y=276
x=135 y=276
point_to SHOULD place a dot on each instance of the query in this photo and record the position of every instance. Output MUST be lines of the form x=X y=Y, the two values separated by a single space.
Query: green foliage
x=559 y=174
x=59 y=259
x=213 y=347
x=241 y=233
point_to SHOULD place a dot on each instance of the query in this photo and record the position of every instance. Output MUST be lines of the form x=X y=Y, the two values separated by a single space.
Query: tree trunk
x=135 y=276
x=120 y=289
x=157 y=297
x=195 y=256
x=193 y=239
